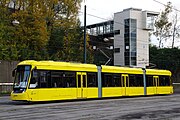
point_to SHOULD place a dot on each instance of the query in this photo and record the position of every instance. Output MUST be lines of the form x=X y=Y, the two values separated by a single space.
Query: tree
x=26 y=40
x=66 y=38
x=39 y=24
x=61 y=13
x=162 y=24
x=32 y=32
x=70 y=46
x=8 y=50
x=166 y=58
x=175 y=30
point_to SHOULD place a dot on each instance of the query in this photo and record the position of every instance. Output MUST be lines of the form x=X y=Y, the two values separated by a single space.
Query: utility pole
x=84 y=33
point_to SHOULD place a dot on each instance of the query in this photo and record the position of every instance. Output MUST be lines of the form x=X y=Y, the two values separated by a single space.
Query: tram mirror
x=14 y=72
x=35 y=68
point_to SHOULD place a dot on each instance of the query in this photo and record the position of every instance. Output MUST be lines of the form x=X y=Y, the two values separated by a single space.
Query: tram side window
x=45 y=80
x=92 y=80
x=34 y=82
x=135 y=80
x=69 y=79
x=111 y=80
x=117 y=80
x=139 y=80
x=107 y=80
x=149 y=80
x=56 y=77
x=164 y=81
x=132 y=80
x=63 y=79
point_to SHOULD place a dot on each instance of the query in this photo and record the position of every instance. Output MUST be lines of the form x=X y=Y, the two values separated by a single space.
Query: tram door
x=155 y=84
x=81 y=85
x=125 y=83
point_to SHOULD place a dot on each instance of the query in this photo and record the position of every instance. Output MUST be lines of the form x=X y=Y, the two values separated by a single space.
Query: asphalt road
x=144 y=108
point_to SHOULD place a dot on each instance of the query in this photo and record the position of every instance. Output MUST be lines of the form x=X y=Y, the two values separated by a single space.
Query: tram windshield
x=22 y=76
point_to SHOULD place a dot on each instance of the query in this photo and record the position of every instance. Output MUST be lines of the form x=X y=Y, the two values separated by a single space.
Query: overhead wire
x=115 y=22
x=139 y=41
x=142 y=41
x=123 y=23
x=109 y=20
x=166 y=5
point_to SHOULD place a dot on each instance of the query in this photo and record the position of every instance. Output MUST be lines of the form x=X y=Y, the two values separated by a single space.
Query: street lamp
x=15 y=22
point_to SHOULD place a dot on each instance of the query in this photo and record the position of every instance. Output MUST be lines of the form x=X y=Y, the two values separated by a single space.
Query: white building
x=131 y=46
x=130 y=30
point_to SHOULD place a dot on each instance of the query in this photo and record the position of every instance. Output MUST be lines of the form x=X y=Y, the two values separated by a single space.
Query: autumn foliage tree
x=28 y=39
x=46 y=30
x=8 y=50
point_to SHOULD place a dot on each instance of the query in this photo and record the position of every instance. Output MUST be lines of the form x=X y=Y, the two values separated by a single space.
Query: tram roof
x=57 y=65
x=128 y=70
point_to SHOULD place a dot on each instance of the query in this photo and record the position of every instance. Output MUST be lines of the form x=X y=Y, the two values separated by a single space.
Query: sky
x=103 y=10
x=106 y=8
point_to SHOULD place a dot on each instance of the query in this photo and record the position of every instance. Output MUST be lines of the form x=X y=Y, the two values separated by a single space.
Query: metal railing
x=6 y=87
x=176 y=83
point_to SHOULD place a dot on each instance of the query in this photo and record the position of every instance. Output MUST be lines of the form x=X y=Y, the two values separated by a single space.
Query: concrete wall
x=6 y=68
x=119 y=39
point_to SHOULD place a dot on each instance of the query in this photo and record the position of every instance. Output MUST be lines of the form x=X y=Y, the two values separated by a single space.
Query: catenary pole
x=85 y=33
x=144 y=80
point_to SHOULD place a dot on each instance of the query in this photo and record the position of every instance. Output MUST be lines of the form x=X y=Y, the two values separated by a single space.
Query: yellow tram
x=50 y=80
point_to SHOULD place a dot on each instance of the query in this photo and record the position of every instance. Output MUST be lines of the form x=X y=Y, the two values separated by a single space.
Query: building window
x=130 y=34
x=150 y=22
x=116 y=32
x=117 y=50
x=126 y=40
